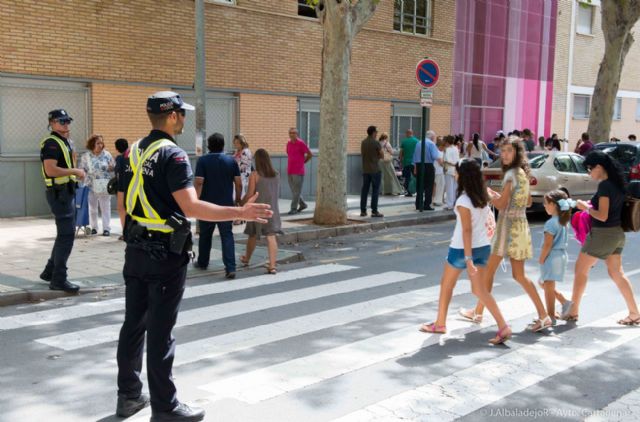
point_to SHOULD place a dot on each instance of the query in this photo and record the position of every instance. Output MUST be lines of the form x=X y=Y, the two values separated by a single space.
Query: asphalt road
x=335 y=338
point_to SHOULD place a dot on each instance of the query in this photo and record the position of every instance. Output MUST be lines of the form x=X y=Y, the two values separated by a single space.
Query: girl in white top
x=477 y=148
x=450 y=159
x=469 y=249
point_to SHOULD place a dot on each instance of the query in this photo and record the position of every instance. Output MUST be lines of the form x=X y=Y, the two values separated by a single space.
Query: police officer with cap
x=60 y=178
x=157 y=189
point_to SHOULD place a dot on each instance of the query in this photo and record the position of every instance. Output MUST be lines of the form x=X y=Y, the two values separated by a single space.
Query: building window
x=309 y=121
x=638 y=110
x=585 y=19
x=403 y=118
x=25 y=101
x=221 y=117
x=221 y=1
x=581 y=106
x=304 y=9
x=412 y=16
x=617 y=109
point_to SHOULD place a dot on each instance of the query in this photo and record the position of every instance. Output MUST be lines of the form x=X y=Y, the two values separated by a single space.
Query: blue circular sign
x=427 y=73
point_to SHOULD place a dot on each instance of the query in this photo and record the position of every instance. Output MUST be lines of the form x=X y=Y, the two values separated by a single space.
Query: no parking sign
x=427 y=73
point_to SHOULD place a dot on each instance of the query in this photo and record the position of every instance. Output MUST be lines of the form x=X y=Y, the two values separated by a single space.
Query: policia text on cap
x=60 y=178
x=158 y=193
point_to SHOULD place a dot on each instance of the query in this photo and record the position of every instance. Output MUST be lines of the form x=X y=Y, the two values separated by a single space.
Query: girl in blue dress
x=553 y=254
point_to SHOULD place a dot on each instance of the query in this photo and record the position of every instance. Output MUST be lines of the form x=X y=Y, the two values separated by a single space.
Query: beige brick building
x=579 y=50
x=101 y=59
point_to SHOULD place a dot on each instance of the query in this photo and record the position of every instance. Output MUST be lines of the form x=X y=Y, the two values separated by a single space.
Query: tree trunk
x=341 y=21
x=618 y=18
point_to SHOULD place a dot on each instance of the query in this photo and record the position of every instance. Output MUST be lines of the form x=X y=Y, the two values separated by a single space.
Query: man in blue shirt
x=216 y=176
x=431 y=155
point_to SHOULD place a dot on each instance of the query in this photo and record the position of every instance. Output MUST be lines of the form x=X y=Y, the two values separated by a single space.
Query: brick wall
x=363 y=114
x=119 y=111
x=265 y=120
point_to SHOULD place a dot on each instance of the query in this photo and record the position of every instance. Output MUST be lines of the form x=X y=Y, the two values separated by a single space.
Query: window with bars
x=403 y=118
x=617 y=109
x=585 y=18
x=309 y=121
x=412 y=16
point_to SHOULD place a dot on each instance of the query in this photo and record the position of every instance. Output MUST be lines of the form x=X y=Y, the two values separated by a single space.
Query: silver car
x=549 y=171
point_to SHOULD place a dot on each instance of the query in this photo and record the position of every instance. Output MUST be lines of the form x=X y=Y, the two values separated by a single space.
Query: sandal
x=244 y=261
x=630 y=321
x=503 y=335
x=470 y=315
x=433 y=328
x=540 y=324
x=271 y=270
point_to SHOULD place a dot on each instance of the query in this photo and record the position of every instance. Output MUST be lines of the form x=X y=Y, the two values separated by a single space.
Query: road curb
x=317 y=233
x=32 y=296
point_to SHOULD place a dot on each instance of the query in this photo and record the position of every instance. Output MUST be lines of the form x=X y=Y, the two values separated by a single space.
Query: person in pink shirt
x=298 y=154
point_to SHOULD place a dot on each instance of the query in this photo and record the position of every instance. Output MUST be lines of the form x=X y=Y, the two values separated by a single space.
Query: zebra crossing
x=260 y=356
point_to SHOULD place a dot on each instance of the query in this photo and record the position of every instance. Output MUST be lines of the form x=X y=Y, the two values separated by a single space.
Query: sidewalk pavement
x=96 y=261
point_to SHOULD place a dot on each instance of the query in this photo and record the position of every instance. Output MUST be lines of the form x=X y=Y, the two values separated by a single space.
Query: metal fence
x=24 y=104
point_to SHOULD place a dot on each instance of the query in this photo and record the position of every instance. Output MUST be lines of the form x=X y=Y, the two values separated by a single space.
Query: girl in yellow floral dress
x=513 y=237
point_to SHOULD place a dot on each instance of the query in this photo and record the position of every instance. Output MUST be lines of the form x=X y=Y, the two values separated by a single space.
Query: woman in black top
x=606 y=239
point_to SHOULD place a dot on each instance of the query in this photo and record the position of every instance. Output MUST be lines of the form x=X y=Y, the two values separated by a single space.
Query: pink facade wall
x=503 y=66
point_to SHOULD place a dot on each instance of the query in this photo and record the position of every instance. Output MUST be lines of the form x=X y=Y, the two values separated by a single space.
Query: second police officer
x=158 y=193
x=60 y=178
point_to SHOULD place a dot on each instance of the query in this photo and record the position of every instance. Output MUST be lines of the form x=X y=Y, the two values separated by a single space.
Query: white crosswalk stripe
x=472 y=388
x=66 y=313
x=104 y=334
x=270 y=382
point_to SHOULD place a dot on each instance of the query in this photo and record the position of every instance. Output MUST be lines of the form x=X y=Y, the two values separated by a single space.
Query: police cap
x=60 y=115
x=165 y=102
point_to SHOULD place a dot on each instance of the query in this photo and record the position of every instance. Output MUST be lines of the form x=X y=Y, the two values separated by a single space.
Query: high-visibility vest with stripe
x=66 y=152
x=135 y=192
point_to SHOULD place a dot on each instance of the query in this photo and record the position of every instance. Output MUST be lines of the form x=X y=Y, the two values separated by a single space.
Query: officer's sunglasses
x=64 y=122
x=182 y=112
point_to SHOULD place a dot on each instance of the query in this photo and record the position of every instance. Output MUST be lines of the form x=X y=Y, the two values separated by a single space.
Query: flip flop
x=475 y=318
x=630 y=321
x=433 y=328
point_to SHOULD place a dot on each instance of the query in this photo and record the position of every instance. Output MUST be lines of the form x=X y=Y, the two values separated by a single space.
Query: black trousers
x=62 y=205
x=429 y=177
x=372 y=180
x=153 y=294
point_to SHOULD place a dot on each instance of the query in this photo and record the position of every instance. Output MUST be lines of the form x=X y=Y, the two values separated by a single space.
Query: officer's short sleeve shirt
x=51 y=150
x=168 y=170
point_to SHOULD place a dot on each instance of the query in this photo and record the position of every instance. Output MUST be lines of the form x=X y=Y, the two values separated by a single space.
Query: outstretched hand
x=256 y=212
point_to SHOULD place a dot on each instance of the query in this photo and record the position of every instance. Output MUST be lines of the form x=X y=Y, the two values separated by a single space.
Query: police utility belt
x=150 y=232
x=58 y=184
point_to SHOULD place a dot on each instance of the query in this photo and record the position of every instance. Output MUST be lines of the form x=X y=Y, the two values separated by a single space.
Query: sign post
x=427 y=75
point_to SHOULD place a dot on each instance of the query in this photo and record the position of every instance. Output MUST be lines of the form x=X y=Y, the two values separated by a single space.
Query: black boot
x=65 y=285
x=46 y=275
x=181 y=412
x=129 y=407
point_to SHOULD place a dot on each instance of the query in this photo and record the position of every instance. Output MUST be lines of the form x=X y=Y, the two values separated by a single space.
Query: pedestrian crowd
x=479 y=244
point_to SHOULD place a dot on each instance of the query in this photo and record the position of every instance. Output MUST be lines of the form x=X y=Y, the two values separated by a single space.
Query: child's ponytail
x=563 y=203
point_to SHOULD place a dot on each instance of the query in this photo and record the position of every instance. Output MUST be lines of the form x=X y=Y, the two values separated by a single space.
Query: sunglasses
x=590 y=168
x=64 y=122
x=182 y=112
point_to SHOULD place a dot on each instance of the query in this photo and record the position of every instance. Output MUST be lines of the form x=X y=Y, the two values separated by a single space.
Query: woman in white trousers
x=451 y=158
x=98 y=164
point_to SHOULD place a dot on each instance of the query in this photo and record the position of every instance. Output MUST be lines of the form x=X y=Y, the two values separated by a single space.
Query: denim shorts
x=455 y=258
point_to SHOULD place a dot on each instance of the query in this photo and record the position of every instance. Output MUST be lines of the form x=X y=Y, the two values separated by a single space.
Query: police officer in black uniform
x=158 y=193
x=60 y=178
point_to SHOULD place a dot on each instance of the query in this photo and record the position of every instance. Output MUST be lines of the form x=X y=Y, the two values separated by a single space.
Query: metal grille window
x=405 y=117
x=24 y=105
x=309 y=121
x=581 y=106
x=585 y=18
x=638 y=110
x=412 y=16
x=221 y=118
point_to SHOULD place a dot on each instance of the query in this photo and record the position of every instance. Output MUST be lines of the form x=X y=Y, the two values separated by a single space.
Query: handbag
x=100 y=185
x=631 y=214
x=112 y=186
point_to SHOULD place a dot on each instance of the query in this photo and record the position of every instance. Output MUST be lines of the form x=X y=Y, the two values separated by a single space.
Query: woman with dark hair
x=99 y=165
x=606 y=239
x=469 y=248
x=266 y=182
x=477 y=147
x=513 y=237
